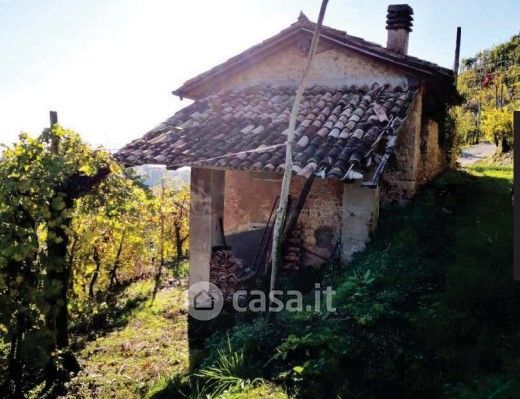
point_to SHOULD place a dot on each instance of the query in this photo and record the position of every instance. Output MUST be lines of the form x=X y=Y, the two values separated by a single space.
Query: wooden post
x=286 y=181
x=516 y=185
x=457 y=54
x=53 y=115
x=292 y=218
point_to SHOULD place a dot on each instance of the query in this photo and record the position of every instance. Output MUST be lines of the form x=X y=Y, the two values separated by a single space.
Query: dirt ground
x=476 y=153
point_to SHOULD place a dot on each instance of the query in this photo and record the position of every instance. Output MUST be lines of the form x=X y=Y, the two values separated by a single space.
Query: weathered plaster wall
x=360 y=210
x=249 y=198
x=399 y=181
x=433 y=159
x=331 y=64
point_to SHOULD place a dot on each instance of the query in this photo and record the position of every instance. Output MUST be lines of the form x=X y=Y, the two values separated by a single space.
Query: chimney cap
x=401 y=8
x=399 y=17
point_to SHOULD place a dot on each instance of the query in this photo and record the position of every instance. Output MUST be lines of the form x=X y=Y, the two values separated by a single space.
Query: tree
x=37 y=196
x=171 y=217
x=74 y=228
x=466 y=125
x=111 y=226
x=497 y=125
x=180 y=218
x=22 y=212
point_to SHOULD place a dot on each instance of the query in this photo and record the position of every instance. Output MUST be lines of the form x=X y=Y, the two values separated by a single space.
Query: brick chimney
x=399 y=25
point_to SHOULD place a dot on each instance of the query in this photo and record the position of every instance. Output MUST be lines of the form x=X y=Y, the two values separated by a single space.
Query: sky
x=108 y=67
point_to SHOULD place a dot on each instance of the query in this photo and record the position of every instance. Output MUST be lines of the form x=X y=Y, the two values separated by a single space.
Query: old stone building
x=370 y=128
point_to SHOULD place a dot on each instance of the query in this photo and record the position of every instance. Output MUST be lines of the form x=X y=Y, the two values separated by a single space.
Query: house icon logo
x=205 y=301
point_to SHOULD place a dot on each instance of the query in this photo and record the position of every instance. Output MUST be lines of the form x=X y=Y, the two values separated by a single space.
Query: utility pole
x=457 y=55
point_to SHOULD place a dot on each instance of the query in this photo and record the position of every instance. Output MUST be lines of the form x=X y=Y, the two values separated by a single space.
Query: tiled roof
x=339 y=130
x=339 y=37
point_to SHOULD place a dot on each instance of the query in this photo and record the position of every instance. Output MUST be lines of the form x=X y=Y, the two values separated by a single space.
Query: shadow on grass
x=113 y=316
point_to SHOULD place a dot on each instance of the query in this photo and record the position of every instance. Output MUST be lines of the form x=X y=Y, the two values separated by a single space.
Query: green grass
x=262 y=391
x=128 y=361
x=444 y=265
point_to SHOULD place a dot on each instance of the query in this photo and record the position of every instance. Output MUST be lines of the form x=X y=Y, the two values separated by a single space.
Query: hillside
x=152 y=175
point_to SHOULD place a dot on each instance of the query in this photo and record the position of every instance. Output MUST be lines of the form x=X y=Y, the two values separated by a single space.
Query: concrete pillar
x=207 y=208
x=360 y=211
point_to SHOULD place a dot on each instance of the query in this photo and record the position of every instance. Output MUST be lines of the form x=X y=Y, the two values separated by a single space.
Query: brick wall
x=249 y=197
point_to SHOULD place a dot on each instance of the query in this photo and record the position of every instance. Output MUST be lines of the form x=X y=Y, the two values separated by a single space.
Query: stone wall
x=400 y=179
x=249 y=198
x=321 y=217
x=433 y=158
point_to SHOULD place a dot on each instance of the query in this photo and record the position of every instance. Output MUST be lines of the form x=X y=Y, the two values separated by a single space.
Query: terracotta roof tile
x=242 y=129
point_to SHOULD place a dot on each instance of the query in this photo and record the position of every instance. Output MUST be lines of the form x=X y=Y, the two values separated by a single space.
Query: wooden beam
x=292 y=219
x=53 y=115
x=516 y=185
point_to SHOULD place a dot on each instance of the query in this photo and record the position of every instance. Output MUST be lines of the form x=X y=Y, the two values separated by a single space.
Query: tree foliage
x=37 y=195
x=497 y=125
x=74 y=228
x=489 y=81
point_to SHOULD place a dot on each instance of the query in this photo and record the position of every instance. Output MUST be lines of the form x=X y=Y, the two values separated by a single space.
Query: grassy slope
x=447 y=262
x=127 y=362
x=264 y=391
x=459 y=234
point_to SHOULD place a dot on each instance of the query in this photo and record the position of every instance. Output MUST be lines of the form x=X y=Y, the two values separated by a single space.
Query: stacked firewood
x=292 y=253
x=224 y=271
